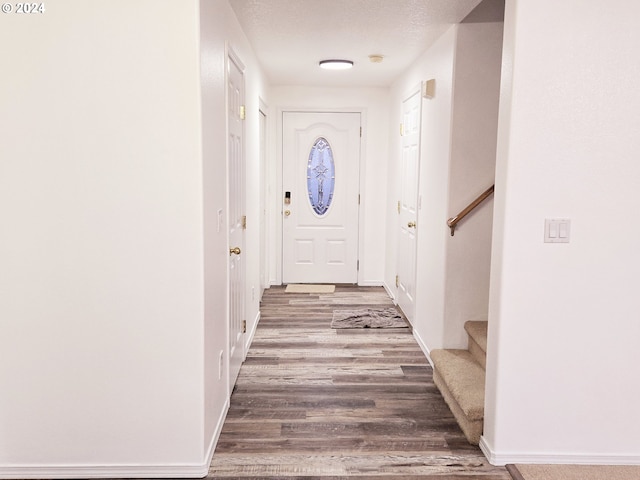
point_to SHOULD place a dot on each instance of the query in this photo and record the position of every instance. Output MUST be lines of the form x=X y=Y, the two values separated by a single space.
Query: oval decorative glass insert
x=321 y=176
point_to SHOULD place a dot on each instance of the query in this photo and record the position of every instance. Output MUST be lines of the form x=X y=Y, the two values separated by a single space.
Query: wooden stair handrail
x=453 y=221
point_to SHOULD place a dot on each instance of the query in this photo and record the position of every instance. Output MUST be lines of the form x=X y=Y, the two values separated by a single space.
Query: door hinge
x=243 y=112
x=358 y=199
x=398 y=206
x=361 y=131
x=244 y=326
x=397 y=281
x=244 y=222
x=358 y=265
x=402 y=129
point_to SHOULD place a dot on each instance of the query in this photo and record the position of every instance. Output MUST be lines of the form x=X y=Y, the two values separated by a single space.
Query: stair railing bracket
x=453 y=221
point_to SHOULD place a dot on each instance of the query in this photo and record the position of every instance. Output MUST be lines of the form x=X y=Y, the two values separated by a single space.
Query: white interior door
x=235 y=100
x=320 y=197
x=407 y=206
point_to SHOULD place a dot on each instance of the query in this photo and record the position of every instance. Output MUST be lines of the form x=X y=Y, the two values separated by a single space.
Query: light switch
x=557 y=230
x=563 y=230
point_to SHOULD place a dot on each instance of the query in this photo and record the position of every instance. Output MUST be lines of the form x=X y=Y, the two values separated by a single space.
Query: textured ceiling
x=290 y=37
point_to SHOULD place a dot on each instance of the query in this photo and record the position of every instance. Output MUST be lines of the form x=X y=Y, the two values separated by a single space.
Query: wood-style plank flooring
x=311 y=401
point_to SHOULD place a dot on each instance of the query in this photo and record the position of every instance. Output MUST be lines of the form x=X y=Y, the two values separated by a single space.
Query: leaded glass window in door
x=321 y=176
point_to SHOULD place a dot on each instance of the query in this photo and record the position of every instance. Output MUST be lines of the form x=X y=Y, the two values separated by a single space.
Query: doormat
x=574 y=472
x=309 y=288
x=368 y=318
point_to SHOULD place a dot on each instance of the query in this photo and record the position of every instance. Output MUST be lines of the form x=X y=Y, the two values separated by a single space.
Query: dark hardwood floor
x=311 y=401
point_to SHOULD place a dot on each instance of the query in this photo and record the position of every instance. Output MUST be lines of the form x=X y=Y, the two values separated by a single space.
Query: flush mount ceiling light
x=336 y=64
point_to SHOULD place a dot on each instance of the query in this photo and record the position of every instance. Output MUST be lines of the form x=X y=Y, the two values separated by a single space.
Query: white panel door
x=235 y=101
x=320 y=197
x=408 y=212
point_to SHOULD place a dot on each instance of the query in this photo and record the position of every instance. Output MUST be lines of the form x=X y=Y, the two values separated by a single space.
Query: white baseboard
x=390 y=292
x=105 y=471
x=368 y=283
x=251 y=334
x=216 y=434
x=119 y=471
x=488 y=452
x=501 y=459
x=423 y=346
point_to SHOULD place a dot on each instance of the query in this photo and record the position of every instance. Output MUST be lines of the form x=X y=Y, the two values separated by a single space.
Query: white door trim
x=321 y=248
x=232 y=58
x=265 y=187
x=409 y=308
x=277 y=203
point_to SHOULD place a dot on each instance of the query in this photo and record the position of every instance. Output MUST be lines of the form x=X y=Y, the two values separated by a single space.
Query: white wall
x=213 y=18
x=101 y=248
x=562 y=382
x=471 y=171
x=114 y=285
x=374 y=104
x=437 y=63
x=220 y=31
x=457 y=160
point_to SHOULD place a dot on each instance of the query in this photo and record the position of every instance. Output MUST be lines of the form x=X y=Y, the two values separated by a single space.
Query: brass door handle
x=411 y=224
x=235 y=250
x=287 y=213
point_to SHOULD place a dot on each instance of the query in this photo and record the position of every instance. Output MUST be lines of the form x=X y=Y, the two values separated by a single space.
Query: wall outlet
x=219 y=220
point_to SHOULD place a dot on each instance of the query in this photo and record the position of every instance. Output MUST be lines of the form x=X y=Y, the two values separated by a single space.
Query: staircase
x=460 y=376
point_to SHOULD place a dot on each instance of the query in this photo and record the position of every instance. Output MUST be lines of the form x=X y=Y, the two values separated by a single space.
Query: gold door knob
x=411 y=224
x=235 y=250
x=287 y=213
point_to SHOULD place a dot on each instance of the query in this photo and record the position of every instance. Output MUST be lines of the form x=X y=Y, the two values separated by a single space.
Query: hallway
x=311 y=401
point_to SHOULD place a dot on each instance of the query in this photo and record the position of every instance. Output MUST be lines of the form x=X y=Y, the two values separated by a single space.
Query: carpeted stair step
x=477 y=331
x=461 y=379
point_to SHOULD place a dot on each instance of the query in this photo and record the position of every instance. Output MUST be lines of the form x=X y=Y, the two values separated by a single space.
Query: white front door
x=236 y=186
x=320 y=197
x=407 y=206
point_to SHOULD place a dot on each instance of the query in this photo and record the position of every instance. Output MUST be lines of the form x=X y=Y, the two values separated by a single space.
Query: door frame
x=232 y=57
x=277 y=205
x=417 y=90
x=265 y=186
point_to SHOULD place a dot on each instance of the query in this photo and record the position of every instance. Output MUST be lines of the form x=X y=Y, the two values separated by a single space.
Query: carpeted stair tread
x=477 y=333
x=477 y=330
x=464 y=378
